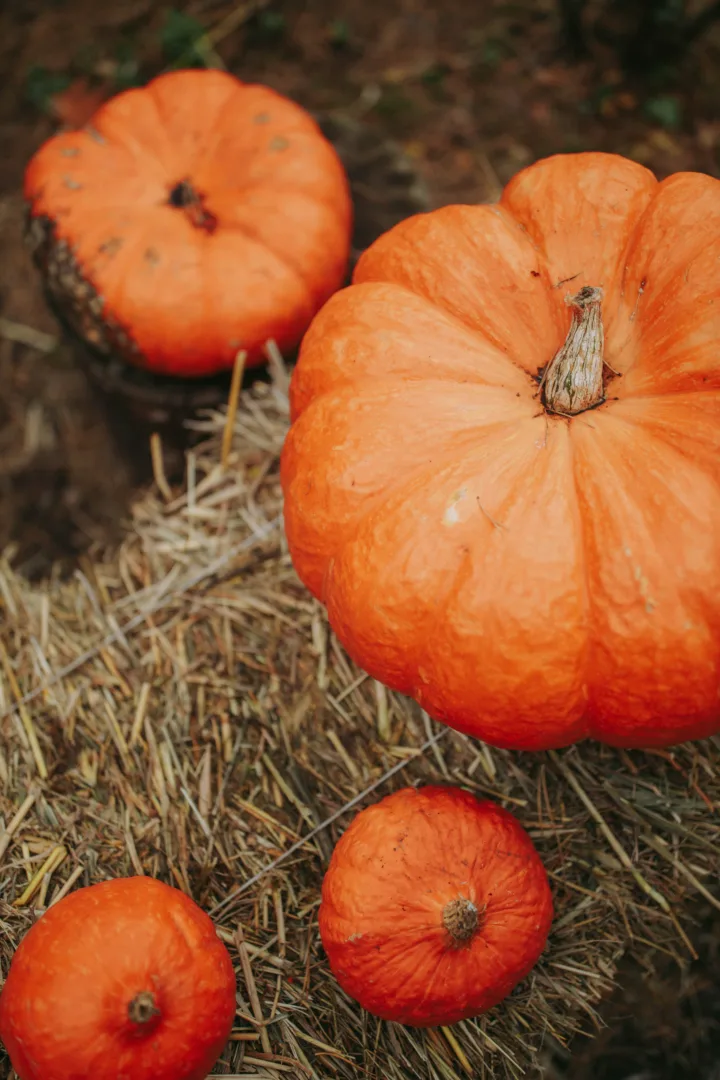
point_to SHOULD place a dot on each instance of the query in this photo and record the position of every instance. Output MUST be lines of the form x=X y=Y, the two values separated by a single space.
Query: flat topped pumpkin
x=123 y=980
x=190 y=219
x=434 y=906
x=503 y=474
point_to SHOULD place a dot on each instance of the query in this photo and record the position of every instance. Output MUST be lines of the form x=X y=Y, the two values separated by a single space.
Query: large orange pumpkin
x=503 y=475
x=126 y=980
x=434 y=906
x=190 y=219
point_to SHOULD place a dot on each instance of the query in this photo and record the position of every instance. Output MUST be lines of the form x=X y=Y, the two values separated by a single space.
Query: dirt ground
x=470 y=98
x=472 y=93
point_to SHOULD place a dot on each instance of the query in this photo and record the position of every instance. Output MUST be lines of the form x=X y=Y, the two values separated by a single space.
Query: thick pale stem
x=574 y=377
x=461 y=919
x=143 y=1009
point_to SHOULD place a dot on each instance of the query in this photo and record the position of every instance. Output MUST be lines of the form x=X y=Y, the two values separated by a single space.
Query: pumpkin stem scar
x=574 y=377
x=461 y=919
x=143 y=1009
x=185 y=197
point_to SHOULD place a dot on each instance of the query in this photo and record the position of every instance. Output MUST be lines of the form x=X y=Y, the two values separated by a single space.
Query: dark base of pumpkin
x=163 y=402
x=139 y=404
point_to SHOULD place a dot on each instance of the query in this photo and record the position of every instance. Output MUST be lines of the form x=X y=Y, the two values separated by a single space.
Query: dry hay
x=187 y=714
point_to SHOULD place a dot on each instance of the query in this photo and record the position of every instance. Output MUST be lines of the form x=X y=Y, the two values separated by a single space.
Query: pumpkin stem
x=573 y=379
x=143 y=1009
x=185 y=197
x=461 y=919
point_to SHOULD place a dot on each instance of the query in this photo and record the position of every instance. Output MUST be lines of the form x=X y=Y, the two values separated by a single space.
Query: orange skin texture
x=391 y=875
x=63 y=1008
x=531 y=579
x=188 y=298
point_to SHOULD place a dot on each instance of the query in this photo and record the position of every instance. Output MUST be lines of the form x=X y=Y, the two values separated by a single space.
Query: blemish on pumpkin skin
x=641 y=290
x=69 y=151
x=152 y=256
x=83 y=307
x=95 y=135
x=279 y=143
x=261 y=118
x=71 y=185
x=643 y=584
x=451 y=516
x=564 y=281
x=112 y=246
x=519 y=855
x=495 y=524
x=353 y=937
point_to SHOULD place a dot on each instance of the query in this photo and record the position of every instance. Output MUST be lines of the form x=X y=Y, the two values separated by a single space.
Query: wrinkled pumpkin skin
x=66 y=1005
x=190 y=219
x=531 y=579
x=390 y=879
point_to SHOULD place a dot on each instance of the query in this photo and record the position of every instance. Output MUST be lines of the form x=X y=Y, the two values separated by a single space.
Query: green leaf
x=128 y=75
x=179 y=38
x=41 y=85
x=664 y=110
x=127 y=72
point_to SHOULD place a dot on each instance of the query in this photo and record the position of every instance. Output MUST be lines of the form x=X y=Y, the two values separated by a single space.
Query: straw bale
x=179 y=708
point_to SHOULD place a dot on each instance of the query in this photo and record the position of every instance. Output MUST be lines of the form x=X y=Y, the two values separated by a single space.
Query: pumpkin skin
x=532 y=579
x=434 y=906
x=190 y=219
x=131 y=944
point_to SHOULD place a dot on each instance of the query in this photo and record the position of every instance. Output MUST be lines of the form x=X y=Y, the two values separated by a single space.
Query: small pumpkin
x=190 y=219
x=503 y=472
x=122 y=979
x=434 y=906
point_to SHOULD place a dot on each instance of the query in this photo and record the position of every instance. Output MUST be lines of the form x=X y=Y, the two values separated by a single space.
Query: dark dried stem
x=143 y=1009
x=184 y=196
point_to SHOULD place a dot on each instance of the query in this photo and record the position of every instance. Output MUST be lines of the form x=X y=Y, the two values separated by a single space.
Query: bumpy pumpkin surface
x=434 y=906
x=503 y=473
x=126 y=980
x=190 y=219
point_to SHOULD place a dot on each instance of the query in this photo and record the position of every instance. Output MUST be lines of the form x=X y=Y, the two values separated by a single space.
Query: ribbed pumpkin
x=503 y=474
x=190 y=219
x=125 y=980
x=434 y=906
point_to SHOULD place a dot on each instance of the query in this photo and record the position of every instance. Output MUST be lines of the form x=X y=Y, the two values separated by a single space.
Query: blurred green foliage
x=665 y=110
x=180 y=35
x=41 y=85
